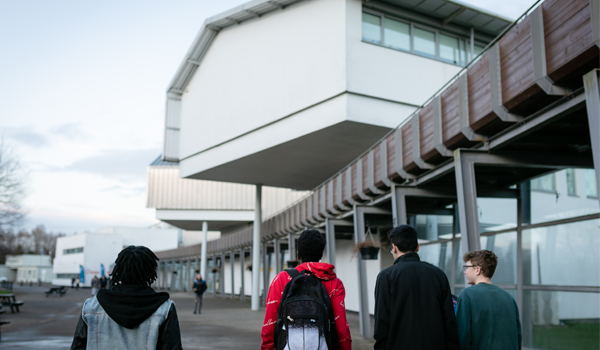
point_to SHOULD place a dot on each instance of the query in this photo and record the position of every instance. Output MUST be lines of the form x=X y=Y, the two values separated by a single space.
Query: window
x=404 y=36
x=424 y=42
x=73 y=251
x=591 y=188
x=66 y=275
x=449 y=51
x=544 y=183
x=371 y=28
x=571 y=182
x=397 y=34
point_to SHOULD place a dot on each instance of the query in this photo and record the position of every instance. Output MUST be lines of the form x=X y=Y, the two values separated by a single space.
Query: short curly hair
x=486 y=259
x=311 y=245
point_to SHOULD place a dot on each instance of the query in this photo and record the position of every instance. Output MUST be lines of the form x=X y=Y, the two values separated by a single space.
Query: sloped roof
x=446 y=11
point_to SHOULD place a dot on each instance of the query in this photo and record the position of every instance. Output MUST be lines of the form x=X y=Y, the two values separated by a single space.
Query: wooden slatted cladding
x=570 y=48
x=516 y=66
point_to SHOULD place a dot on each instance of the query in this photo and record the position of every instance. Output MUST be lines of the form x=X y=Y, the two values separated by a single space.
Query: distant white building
x=95 y=252
x=30 y=267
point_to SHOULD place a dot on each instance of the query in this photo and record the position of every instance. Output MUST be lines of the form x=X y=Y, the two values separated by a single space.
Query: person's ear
x=418 y=246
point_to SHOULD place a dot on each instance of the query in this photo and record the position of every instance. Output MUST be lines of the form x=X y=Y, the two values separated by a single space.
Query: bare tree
x=12 y=186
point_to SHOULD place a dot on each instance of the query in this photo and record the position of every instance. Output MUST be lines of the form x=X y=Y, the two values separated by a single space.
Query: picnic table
x=10 y=300
x=2 y=322
x=56 y=290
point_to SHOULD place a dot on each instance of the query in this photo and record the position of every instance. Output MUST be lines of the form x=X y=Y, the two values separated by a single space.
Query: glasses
x=465 y=267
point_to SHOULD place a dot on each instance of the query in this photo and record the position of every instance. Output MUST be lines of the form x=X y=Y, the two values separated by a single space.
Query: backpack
x=305 y=316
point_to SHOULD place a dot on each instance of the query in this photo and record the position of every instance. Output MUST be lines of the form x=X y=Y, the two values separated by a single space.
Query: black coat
x=413 y=307
x=200 y=287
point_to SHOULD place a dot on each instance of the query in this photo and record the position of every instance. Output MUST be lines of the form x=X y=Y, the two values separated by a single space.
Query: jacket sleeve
x=169 y=335
x=274 y=297
x=382 y=312
x=449 y=319
x=338 y=304
x=463 y=315
x=80 y=337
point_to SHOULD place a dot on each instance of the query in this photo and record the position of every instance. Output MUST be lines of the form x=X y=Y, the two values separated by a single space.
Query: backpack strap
x=292 y=272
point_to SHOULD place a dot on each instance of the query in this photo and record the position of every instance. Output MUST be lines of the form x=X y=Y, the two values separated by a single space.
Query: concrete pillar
x=232 y=262
x=330 y=238
x=256 y=240
x=591 y=83
x=203 y=256
x=179 y=237
x=243 y=272
x=181 y=272
x=398 y=207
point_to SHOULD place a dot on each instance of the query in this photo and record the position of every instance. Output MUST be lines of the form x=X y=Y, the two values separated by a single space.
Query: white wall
x=7 y=272
x=100 y=249
x=263 y=69
x=387 y=73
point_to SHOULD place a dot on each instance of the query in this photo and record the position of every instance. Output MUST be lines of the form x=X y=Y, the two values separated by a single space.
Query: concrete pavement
x=49 y=323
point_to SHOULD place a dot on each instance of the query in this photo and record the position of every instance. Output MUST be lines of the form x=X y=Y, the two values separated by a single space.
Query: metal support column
x=214 y=276
x=292 y=246
x=164 y=276
x=180 y=278
x=222 y=276
x=363 y=289
x=591 y=82
x=203 y=256
x=243 y=272
x=467 y=202
x=256 y=238
x=188 y=276
x=265 y=269
x=330 y=225
x=398 y=207
x=232 y=262
x=278 y=266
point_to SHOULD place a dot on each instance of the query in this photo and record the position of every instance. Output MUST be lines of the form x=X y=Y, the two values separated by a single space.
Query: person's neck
x=483 y=279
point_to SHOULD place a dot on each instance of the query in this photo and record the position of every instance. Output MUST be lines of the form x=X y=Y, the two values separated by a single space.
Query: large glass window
x=591 y=187
x=560 y=320
x=440 y=255
x=562 y=255
x=449 y=51
x=544 y=183
x=397 y=34
x=371 y=28
x=424 y=42
x=432 y=228
x=571 y=182
x=497 y=214
x=549 y=205
x=73 y=251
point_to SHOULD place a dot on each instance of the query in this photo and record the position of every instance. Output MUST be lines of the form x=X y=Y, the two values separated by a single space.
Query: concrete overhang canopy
x=218 y=220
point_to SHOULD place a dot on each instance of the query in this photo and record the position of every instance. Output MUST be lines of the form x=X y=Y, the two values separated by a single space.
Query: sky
x=82 y=94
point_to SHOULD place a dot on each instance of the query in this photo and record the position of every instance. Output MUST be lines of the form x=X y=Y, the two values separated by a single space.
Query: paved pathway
x=49 y=323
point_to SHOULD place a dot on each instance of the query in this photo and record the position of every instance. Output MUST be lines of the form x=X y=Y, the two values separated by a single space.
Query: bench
x=56 y=290
x=10 y=300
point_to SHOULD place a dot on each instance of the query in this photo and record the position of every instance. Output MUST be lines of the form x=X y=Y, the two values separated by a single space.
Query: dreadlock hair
x=135 y=265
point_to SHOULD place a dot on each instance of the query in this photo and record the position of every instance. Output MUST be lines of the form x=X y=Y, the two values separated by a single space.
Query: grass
x=572 y=335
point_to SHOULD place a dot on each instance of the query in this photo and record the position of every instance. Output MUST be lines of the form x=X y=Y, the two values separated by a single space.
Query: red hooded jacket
x=337 y=294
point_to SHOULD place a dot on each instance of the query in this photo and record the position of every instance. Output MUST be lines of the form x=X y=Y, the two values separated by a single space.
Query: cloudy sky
x=82 y=96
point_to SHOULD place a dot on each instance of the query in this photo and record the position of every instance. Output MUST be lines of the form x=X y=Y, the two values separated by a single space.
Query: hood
x=130 y=305
x=322 y=271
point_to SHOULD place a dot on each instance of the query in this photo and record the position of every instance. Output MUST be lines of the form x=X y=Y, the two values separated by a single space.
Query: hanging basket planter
x=292 y=264
x=249 y=267
x=368 y=249
x=214 y=270
x=369 y=253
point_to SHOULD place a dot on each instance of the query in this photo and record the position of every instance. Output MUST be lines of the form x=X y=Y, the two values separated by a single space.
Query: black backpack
x=305 y=308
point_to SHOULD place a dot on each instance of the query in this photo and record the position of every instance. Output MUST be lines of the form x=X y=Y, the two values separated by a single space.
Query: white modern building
x=91 y=252
x=366 y=104
x=30 y=267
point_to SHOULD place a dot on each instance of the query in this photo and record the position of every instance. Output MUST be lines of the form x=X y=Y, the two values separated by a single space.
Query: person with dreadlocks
x=129 y=315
